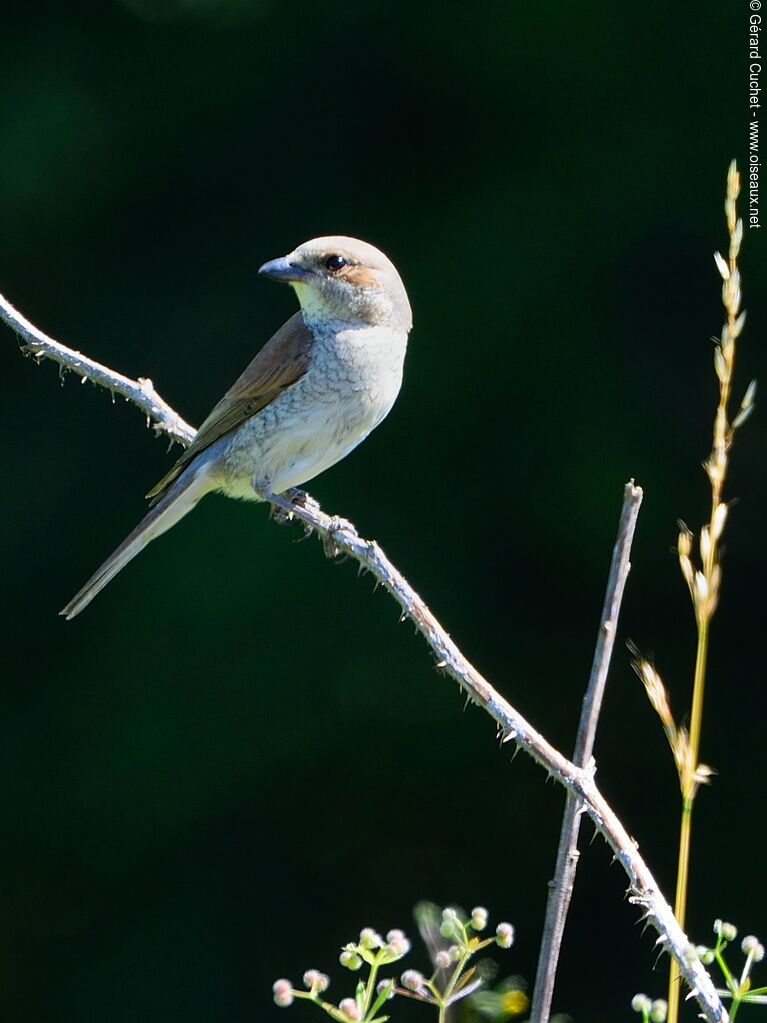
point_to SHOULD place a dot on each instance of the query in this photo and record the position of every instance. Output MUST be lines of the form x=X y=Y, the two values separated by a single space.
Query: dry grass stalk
x=702 y=573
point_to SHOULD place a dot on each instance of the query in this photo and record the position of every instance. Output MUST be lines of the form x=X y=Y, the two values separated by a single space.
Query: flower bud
x=397 y=944
x=725 y=930
x=283 y=992
x=385 y=987
x=443 y=959
x=504 y=935
x=316 y=981
x=350 y=959
x=451 y=925
x=641 y=1003
x=349 y=1008
x=658 y=1011
x=370 y=939
x=479 y=918
x=412 y=980
x=751 y=946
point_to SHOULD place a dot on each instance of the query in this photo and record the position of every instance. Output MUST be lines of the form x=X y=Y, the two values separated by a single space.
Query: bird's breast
x=350 y=386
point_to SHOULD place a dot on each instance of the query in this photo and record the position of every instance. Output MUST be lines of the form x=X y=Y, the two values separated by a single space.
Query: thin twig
x=340 y=536
x=561 y=888
x=140 y=392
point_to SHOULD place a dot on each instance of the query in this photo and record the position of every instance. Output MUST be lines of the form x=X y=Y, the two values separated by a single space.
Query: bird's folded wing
x=281 y=363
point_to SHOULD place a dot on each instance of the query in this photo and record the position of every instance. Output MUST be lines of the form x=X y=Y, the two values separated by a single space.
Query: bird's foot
x=283 y=506
x=329 y=539
x=280 y=507
x=281 y=515
x=300 y=499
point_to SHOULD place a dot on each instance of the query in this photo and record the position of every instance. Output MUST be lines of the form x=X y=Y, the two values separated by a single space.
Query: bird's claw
x=301 y=499
x=282 y=512
x=282 y=516
x=281 y=505
x=329 y=542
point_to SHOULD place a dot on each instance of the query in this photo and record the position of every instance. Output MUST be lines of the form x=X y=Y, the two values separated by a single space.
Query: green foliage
x=453 y=979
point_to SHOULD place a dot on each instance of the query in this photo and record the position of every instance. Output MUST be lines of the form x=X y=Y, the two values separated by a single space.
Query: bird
x=316 y=389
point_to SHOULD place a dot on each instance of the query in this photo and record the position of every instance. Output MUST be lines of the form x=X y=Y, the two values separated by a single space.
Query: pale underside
x=306 y=400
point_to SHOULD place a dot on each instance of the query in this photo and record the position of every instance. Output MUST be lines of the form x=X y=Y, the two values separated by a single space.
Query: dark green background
x=236 y=758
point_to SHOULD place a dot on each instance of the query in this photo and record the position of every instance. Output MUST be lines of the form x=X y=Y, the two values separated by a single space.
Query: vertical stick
x=561 y=888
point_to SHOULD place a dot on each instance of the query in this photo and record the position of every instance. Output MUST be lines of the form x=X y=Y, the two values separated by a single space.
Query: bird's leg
x=279 y=510
x=282 y=506
x=300 y=499
x=283 y=511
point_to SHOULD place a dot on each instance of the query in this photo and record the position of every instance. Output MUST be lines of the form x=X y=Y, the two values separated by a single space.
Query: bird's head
x=338 y=278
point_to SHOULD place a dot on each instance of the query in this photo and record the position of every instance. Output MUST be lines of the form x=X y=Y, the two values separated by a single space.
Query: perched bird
x=316 y=389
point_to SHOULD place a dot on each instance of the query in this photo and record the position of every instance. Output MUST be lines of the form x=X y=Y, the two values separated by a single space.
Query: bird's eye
x=335 y=263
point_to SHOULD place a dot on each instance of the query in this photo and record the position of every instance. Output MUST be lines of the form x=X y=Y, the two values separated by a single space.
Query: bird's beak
x=283 y=270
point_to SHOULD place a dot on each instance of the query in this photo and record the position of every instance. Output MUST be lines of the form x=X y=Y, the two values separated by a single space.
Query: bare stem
x=561 y=887
x=340 y=536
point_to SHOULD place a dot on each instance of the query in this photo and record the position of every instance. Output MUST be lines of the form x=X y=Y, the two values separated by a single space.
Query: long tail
x=172 y=506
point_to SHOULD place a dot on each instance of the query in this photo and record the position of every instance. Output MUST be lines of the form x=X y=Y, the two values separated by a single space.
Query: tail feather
x=172 y=506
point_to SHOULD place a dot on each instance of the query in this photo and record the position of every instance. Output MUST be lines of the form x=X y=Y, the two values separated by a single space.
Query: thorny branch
x=341 y=537
x=140 y=392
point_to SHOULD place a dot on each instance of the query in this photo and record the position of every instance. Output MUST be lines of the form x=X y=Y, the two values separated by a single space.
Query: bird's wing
x=281 y=363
